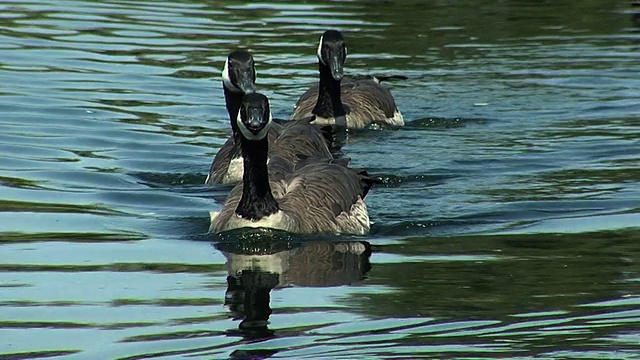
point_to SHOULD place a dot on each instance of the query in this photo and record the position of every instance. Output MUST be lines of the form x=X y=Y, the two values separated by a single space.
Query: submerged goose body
x=355 y=103
x=319 y=196
x=238 y=79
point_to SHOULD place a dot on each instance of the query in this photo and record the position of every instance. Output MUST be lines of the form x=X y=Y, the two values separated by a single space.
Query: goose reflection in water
x=254 y=273
x=635 y=15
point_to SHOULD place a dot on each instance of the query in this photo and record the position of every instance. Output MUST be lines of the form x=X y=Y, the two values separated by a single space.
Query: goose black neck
x=232 y=100
x=257 y=201
x=329 y=103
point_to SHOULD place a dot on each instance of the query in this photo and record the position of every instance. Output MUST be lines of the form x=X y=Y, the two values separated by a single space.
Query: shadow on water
x=635 y=15
x=441 y=123
x=257 y=265
x=254 y=273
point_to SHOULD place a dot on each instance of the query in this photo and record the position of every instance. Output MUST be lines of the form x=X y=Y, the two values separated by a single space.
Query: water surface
x=507 y=226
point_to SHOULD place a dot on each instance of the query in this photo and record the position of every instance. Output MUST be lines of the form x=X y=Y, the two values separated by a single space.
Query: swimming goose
x=238 y=79
x=354 y=103
x=322 y=196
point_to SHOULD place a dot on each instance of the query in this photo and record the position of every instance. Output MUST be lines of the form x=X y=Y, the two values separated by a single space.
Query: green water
x=508 y=225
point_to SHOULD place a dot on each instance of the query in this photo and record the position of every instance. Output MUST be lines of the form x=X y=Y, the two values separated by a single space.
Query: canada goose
x=355 y=103
x=238 y=79
x=321 y=196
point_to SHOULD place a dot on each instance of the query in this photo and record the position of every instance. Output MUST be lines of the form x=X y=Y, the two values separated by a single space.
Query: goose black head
x=254 y=117
x=239 y=73
x=332 y=52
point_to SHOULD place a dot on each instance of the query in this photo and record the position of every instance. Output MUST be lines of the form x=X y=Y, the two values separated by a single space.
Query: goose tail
x=380 y=78
x=367 y=181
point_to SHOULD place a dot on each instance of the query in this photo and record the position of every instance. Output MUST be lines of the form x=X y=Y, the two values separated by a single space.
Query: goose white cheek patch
x=248 y=134
x=319 y=51
x=226 y=79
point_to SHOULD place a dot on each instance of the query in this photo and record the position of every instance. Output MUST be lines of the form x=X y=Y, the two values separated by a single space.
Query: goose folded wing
x=368 y=94
x=301 y=140
x=324 y=189
x=307 y=102
x=220 y=164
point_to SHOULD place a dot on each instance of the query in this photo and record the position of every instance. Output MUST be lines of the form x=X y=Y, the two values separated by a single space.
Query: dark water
x=508 y=225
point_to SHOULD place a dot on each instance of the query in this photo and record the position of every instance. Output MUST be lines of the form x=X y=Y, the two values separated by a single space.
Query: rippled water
x=508 y=224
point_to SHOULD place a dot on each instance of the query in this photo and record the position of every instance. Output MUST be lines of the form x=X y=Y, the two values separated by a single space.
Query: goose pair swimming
x=301 y=141
x=290 y=181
